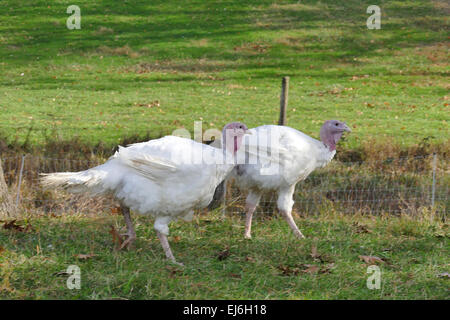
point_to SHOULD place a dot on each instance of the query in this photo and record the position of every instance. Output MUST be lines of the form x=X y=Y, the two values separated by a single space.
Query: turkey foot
x=129 y=242
x=288 y=217
x=165 y=244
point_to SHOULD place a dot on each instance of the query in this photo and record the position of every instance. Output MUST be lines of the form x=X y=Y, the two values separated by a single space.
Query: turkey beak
x=248 y=132
x=347 y=128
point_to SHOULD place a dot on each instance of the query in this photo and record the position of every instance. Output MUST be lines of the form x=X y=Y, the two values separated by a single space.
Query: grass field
x=139 y=67
x=221 y=264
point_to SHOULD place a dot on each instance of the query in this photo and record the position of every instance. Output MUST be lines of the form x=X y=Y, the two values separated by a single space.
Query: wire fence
x=394 y=186
x=402 y=185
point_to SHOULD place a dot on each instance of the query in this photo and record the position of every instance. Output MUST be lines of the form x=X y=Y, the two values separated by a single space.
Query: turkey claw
x=129 y=242
x=178 y=263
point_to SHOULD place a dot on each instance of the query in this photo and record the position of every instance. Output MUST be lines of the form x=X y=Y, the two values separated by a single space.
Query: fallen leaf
x=117 y=238
x=319 y=257
x=371 y=259
x=176 y=238
x=314 y=253
x=13 y=226
x=288 y=271
x=327 y=268
x=152 y=104
x=444 y=275
x=305 y=268
x=311 y=268
x=2 y=249
x=248 y=258
x=222 y=255
x=82 y=256
x=115 y=210
x=359 y=77
x=235 y=275
x=360 y=228
x=172 y=271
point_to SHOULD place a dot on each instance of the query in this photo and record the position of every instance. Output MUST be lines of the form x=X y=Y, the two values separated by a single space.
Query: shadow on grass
x=170 y=31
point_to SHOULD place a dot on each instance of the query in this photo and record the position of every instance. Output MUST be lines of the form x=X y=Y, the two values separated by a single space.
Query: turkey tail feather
x=74 y=182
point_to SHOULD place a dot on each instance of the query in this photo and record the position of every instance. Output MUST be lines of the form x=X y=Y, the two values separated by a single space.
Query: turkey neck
x=231 y=147
x=330 y=139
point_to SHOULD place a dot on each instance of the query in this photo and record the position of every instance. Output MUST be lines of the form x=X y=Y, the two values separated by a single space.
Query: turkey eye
x=337 y=124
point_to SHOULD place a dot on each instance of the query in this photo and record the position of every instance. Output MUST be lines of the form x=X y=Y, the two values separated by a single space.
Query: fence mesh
x=394 y=186
x=389 y=186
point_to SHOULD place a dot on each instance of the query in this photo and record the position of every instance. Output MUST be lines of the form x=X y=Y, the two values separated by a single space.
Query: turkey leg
x=250 y=205
x=288 y=217
x=165 y=244
x=131 y=234
x=285 y=204
x=248 y=221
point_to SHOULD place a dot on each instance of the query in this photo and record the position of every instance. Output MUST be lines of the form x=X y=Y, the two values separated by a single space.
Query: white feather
x=291 y=154
x=162 y=178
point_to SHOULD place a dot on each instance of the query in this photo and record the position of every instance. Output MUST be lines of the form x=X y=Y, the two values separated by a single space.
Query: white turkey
x=166 y=178
x=277 y=157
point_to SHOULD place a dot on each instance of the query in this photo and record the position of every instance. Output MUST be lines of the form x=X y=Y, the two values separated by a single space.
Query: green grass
x=144 y=68
x=221 y=61
x=416 y=251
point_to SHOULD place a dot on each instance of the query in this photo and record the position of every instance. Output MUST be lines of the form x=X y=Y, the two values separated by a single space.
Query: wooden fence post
x=284 y=100
x=433 y=186
x=7 y=207
x=19 y=185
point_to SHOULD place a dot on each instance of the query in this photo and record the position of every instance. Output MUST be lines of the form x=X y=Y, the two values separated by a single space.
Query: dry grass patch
x=198 y=66
x=290 y=41
x=437 y=53
x=102 y=31
x=238 y=86
x=442 y=5
x=253 y=48
x=199 y=43
x=118 y=51
x=294 y=7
